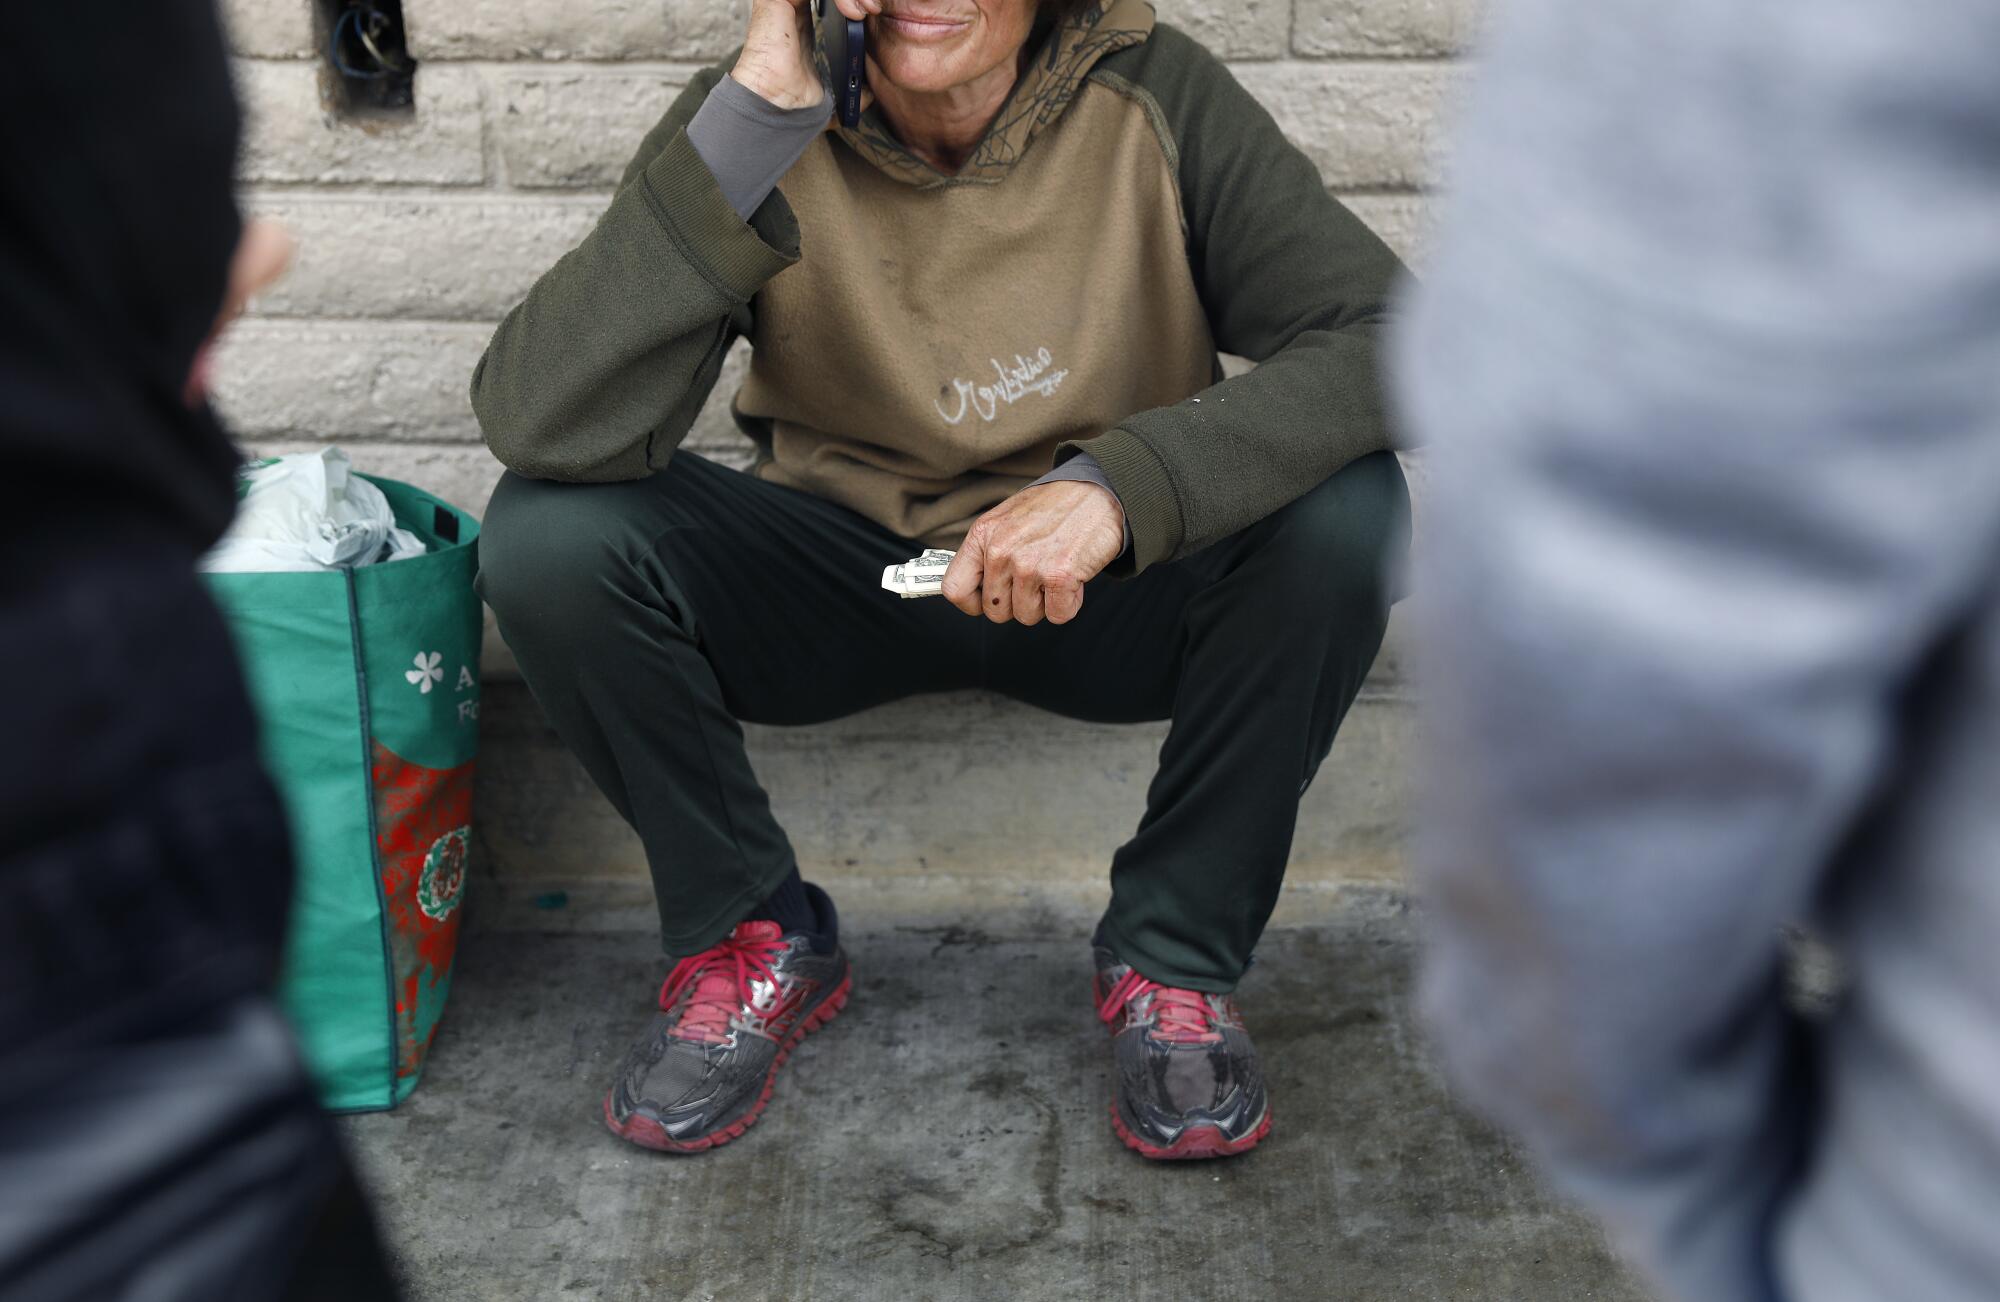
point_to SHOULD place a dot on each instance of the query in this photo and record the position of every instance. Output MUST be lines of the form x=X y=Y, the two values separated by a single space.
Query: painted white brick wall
x=416 y=238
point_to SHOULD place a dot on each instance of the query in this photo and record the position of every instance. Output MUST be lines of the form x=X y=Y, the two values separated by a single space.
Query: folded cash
x=922 y=576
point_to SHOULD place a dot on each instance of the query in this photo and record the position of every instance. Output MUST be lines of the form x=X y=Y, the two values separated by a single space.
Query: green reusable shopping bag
x=366 y=682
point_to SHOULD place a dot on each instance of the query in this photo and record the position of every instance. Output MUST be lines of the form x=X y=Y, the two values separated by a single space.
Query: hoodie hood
x=1046 y=86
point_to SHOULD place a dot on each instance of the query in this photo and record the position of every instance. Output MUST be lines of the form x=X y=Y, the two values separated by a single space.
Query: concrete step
x=923 y=811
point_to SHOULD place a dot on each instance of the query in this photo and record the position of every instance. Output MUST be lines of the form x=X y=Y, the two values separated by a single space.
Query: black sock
x=789 y=906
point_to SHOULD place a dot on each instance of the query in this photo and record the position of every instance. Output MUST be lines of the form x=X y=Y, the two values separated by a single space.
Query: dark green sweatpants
x=650 y=616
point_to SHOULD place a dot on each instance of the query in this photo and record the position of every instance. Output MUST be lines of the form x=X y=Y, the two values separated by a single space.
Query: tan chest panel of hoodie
x=932 y=345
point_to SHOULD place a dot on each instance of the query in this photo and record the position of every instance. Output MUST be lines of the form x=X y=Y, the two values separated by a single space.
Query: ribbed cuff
x=1140 y=479
x=735 y=256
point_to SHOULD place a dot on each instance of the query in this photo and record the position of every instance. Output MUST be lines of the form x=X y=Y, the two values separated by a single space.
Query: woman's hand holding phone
x=777 y=59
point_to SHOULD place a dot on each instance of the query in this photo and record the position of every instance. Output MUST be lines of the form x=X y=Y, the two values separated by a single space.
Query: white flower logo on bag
x=443 y=881
x=428 y=673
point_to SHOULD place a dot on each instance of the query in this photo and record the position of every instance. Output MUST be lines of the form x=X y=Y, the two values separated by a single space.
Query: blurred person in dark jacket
x=1710 y=356
x=158 y=1138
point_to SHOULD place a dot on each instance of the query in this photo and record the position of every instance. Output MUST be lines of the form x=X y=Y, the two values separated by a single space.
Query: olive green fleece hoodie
x=925 y=345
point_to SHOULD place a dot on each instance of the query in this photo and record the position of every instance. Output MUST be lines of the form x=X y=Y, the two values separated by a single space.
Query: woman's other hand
x=1028 y=558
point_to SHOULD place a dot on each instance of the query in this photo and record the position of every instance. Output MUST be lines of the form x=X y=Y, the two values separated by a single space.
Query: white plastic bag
x=310 y=511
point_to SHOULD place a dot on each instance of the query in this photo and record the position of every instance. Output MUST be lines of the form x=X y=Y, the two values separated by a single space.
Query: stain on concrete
x=950 y=937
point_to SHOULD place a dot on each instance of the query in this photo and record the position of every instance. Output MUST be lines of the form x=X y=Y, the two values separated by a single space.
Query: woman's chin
x=920 y=71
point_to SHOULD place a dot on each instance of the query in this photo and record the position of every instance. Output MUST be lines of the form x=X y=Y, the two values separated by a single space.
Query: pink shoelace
x=723 y=978
x=1180 y=1015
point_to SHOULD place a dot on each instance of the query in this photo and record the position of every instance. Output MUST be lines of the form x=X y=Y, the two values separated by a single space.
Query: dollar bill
x=920 y=576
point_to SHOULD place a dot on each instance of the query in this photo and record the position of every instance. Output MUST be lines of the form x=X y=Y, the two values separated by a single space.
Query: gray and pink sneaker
x=729 y=1017
x=1188 y=1081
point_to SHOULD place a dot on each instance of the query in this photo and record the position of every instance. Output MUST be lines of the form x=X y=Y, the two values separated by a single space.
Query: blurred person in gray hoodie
x=1709 y=354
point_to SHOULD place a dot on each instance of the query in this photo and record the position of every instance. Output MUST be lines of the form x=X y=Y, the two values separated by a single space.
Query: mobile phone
x=844 y=43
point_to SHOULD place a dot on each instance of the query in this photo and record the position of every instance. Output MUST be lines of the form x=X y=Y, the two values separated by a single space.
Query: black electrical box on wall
x=369 y=69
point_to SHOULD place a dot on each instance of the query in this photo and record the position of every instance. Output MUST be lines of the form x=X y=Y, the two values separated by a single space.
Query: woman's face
x=928 y=46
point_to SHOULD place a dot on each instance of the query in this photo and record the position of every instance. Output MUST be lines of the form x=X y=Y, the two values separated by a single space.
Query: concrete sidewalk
x=947 y=1138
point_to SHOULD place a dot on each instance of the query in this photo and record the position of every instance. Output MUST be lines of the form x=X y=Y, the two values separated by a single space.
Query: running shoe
x=1188 y=1081
x=729 y=1016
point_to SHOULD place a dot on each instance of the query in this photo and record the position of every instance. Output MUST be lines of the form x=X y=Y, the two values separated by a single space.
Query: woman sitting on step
x=986 y=318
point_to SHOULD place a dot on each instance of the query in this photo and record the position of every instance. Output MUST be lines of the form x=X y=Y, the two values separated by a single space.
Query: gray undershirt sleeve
x=748 y=142
x=1083 y=469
